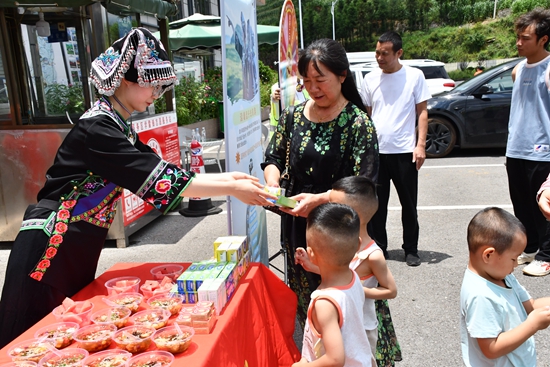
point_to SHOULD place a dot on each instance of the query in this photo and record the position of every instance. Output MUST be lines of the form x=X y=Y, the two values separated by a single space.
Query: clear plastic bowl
x=70 y=357
x=172 y=271
x=158 y=358
x=112 y=315
x=30 y=350
x=167 y=301
x=134 y=339
x=171 y=340
x=95 y=337
x=108 y=358
x=81 y=319
x=128 y=300
x=61 y=333
x=120 y=285
x=20 y=364
x=155 y=318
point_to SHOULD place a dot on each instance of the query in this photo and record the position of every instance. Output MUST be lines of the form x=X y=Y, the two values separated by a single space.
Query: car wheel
x=441 y=138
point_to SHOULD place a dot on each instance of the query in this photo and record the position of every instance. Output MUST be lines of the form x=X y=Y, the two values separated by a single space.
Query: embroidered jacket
x=100 y=156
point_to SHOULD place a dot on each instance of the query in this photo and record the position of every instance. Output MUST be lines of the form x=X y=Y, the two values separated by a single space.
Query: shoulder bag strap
x=288 y=125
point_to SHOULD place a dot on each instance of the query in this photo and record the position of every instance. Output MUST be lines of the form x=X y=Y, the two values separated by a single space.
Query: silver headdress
x=138 y=57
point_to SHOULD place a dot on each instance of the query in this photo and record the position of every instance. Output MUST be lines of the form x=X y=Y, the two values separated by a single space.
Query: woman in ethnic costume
x=61 y=237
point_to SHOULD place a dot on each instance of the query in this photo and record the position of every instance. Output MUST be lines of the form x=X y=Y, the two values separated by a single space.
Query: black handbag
x=286 y=181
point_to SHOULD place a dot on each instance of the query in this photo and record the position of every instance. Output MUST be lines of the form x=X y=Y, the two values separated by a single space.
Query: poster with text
x=288 y=54
x=160 y=132
x=242 y=117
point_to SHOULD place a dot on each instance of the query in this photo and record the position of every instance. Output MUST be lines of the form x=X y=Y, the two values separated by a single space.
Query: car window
x=433 y=72
x=502 y=82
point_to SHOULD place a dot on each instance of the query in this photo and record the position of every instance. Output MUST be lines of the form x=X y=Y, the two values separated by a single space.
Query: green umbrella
x=197 y=33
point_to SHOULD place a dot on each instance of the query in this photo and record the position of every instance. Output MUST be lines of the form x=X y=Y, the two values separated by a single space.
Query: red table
x=254 y=329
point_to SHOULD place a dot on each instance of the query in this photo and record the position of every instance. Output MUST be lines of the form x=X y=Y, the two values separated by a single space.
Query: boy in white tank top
x=369 y=263
x=334 y=333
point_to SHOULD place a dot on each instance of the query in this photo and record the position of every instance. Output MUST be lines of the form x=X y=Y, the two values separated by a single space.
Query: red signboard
x=160 y=132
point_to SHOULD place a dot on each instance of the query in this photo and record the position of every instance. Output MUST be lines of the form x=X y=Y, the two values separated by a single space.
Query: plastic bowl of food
x=155 y=318
x=168 y=301
x=20 y=364
x=112 y=315
x=128 y=300
x=173 y=340
x=134 y=339
x=95 y=337
x=157 y=358
x=172 y=271
x=108 y=358
x=70 y=357
x=120 y=285
x=30 y=350
x=78 y=312
x=61 y=333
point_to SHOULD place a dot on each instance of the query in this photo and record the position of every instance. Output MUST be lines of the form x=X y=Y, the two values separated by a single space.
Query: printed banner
x=288 y=54
x=242 y=117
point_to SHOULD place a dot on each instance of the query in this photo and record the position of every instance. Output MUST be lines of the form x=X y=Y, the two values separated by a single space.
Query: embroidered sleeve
x=163 y=186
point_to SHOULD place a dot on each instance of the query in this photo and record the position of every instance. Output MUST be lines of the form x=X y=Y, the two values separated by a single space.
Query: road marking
x=455 y=207
x=468 y=166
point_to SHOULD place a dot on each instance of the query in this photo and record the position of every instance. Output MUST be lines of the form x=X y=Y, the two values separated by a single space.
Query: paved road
x=426 y=310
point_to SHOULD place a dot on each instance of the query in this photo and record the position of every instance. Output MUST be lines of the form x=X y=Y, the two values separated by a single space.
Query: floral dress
x=320 y=154
x=57 y=249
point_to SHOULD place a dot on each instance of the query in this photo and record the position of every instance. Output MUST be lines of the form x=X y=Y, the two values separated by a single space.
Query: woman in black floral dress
x=331 y=136
x=57 y=249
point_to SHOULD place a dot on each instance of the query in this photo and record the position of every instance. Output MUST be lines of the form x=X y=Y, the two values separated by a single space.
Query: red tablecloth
x=254 y=329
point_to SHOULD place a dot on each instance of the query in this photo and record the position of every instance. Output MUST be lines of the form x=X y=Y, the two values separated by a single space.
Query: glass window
x=433 y=72
x=502 y=83
x=4 y=101
x=56 y=76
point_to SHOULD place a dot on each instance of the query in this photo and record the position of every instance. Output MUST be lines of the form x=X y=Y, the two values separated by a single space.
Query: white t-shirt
x=393 y=98
x=486 y=310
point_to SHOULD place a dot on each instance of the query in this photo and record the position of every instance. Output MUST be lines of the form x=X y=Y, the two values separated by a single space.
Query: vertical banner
x=242 y=117
x=288 y=54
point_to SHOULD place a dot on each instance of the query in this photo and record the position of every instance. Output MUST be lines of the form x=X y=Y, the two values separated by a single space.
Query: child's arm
x=301 y=257
x=538 y=303
x=376 y=264
x=510 y=340
x=326 y=322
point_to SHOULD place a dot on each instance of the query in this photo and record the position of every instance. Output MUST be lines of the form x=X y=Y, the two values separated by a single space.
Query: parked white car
x=434 y=71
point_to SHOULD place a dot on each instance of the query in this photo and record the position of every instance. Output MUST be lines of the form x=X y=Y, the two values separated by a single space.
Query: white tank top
x=370 y=321
x=348 y=300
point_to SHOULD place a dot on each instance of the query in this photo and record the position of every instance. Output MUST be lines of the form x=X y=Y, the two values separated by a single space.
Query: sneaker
x=412 y=259
x=526 y=258
x=537 y=268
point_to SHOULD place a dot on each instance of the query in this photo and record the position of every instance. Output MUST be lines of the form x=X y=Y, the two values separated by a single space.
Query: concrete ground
x=426 y=310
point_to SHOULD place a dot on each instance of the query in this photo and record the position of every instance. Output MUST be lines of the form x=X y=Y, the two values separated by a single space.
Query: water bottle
x=203 y=134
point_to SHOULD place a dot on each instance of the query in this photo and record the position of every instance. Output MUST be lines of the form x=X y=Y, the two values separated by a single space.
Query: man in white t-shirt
x=396 y=97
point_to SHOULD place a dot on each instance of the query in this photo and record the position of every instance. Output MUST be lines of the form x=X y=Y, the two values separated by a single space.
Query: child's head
x=332 y=234
x=493 y=232
x=358 y=192
x=139 y=59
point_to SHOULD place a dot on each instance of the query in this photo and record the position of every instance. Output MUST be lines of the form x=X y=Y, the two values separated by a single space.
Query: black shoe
x=412 y=259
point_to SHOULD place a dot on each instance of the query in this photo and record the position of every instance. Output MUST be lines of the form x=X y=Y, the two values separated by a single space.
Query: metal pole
x=495 y=10
x=301 y=28
x=332 y=12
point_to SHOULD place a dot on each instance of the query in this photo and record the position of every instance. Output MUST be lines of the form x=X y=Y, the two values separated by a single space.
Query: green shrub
x=61 y=98
x=268 y=77
x=196 y=100
x=457 y=75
